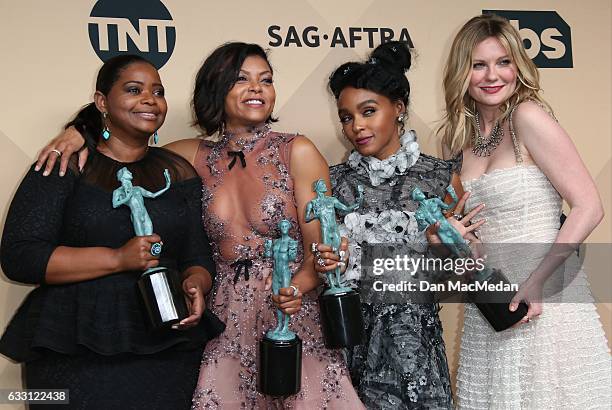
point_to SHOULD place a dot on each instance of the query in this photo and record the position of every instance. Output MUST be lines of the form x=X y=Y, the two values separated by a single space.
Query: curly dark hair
x=383 y=73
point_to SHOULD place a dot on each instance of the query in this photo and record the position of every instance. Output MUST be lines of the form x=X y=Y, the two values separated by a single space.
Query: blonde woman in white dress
x=519 y=162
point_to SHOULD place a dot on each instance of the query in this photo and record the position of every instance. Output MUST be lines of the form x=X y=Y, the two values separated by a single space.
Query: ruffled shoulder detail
x=380 y=171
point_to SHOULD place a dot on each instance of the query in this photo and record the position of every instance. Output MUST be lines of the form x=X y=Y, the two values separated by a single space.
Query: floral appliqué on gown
x=247 y=190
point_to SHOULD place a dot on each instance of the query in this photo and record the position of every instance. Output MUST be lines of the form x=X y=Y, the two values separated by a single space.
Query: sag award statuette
x=341 y=317
x=160 y=287
x=280 y=351
x=492 y=305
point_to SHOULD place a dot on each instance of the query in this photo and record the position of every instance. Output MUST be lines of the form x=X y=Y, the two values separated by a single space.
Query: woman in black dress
x=82 y=328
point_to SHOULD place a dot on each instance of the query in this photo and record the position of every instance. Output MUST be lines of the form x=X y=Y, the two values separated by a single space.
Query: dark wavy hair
x=383 y=73
x=88 y=121
x=215 y=79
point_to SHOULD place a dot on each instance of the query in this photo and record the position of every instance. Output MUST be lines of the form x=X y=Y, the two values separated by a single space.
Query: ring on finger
x=295 y=290
x=313 y=247
x=320 y=261
x=458 y=216
x=58 y=152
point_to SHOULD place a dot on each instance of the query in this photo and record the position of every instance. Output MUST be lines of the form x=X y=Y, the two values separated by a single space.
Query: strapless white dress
x=560 y=360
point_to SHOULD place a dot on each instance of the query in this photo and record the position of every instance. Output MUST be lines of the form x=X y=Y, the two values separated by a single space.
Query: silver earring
x=400 y=121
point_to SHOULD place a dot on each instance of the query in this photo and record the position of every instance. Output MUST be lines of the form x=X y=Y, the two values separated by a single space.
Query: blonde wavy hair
x=459 y=123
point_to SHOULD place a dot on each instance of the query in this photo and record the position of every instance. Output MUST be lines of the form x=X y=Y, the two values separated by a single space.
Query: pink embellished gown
x=243 y=201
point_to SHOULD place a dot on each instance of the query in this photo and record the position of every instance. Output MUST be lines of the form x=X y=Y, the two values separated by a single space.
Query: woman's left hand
x=529 y=292
x=462 y=223
x=325 y=260
x=288 y=300
x=193 y=288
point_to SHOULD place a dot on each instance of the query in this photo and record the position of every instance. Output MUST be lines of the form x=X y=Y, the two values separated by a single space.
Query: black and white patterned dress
x=402 y=364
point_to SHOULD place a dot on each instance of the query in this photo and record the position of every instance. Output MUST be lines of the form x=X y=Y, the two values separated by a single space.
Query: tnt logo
x=546 y=36
x=142 y=27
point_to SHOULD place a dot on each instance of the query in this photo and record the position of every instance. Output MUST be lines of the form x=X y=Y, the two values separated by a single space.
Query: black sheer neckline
x=98 y=152
x=101 y=170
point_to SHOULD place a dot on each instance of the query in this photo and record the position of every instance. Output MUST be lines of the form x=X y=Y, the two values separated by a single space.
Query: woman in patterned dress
x=402 y=362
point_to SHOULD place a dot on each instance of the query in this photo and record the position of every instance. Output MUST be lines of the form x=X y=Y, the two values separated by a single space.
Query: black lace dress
x=91 y=337
x=402 y=362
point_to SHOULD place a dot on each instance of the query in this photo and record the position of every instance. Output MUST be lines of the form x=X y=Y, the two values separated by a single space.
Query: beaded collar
x=245 y=141
x=380 y=171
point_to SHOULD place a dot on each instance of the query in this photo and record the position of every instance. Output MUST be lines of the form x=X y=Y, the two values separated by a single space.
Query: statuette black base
x=280 y=367
x=163 y=298
x=341 y=319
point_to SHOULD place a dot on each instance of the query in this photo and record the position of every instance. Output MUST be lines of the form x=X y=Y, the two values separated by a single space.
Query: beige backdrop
x=48 y=66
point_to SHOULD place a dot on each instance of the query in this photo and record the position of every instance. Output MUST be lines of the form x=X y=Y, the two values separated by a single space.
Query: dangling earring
x=155 y=137
x=400 y=121
x=106 y=134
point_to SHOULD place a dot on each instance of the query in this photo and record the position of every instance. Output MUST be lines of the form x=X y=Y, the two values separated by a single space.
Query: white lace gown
x=560 y=360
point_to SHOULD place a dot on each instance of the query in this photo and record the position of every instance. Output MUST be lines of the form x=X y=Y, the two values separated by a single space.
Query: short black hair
x=383 y=73
x=215 y=79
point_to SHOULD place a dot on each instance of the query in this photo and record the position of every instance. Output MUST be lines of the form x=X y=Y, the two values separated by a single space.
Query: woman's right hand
x=67 y=143
x=136 y=254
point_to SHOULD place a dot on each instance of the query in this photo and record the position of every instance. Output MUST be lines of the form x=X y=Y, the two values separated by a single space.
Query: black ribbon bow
x=241 y=266
x=236 y=154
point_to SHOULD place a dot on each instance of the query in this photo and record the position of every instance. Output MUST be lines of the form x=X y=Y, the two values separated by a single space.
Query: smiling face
x=135 y=104
x=251 y=99
x=494 y=73
x=369 y=121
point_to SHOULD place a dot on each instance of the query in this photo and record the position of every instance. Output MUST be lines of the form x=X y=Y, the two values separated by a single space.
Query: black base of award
x=162 y=296
x=341 y=319
x=494 y=304
x=280 y=367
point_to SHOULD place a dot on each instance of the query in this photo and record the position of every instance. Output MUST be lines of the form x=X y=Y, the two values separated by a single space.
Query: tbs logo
x=142 y=27
x=546 y=36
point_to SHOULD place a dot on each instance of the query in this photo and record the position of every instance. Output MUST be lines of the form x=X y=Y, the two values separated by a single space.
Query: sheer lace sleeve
x=33 y=225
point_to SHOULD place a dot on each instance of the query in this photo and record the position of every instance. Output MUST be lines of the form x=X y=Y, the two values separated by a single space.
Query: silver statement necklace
x=482 y=146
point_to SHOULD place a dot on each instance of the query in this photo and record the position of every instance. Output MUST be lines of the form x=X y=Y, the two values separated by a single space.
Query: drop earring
x=400 y=121
x=155 y=138
x=106 y=134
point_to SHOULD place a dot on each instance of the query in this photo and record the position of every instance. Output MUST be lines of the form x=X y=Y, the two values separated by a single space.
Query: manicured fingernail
x=37 y=168
x=62 y=173
x=45 y=173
